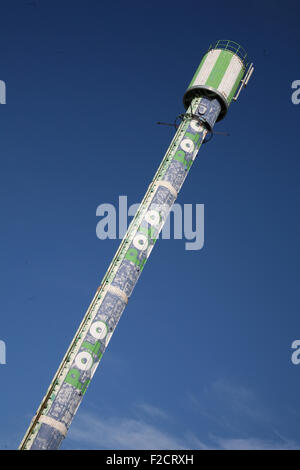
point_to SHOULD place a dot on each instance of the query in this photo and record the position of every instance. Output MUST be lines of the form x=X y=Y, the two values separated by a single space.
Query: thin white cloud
x=152 y=411
x=240 y=406
x=201 y=407
x=243 y=420
x=124 y=433
x=254 y=444
x=239 y=399
x=238 y=411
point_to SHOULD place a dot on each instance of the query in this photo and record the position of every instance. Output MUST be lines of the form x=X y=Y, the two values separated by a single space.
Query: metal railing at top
x=232 y=46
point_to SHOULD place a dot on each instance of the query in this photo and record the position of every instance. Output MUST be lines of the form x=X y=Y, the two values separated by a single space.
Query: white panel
x=98 y=329
x=187 y=145
x=230 y=76
x=207 y=67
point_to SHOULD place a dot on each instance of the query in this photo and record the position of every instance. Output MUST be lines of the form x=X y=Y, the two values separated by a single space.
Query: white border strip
x=168 y=185
x=118 y=292
x=61 y=427
x=230 y=76
x=207 y=66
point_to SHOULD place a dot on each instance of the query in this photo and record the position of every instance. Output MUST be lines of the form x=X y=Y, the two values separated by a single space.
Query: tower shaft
x=53 y=418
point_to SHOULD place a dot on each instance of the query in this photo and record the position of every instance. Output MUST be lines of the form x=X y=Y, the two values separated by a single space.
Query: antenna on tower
x=208 y=137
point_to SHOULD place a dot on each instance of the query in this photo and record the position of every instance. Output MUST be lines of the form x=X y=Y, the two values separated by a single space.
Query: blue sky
x=201 y=357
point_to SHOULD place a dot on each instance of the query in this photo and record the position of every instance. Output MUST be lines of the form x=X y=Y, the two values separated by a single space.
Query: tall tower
x=218 y=80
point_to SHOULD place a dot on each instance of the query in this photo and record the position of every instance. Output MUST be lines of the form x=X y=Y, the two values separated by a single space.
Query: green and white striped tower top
x=219 y=74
